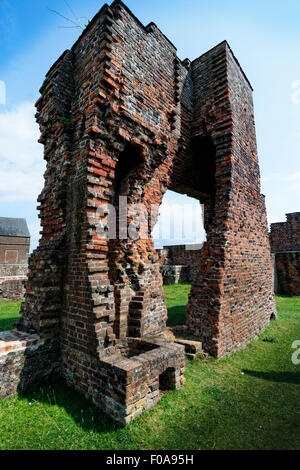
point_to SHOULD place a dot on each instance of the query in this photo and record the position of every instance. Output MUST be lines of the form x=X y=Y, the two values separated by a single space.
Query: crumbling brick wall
x=13 y=276
x=181 y=254
x=285 y=236
x=140 y=113
x=12 y=281
x=12 y=289
x=285 y=244
x=180 y=263
x=230 y=299
x=121 y=115
x=287 y=267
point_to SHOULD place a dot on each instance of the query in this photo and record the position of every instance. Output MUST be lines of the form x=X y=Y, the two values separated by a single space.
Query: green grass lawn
x=176 y=299
x=250 y=400
x=9 y=314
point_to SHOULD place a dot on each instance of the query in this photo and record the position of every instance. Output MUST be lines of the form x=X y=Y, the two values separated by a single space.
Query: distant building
x=14 y=251
x=14 y=241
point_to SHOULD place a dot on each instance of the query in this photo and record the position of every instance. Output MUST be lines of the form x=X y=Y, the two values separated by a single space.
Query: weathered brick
x=285 y=245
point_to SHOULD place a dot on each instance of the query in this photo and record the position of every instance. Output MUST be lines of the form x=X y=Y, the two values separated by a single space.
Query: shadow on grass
x=176 y=316
x=54 y=391
x=284 y=377
x=8 y=323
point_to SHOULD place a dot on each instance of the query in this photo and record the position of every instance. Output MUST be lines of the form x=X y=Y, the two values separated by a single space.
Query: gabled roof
x=13 y=227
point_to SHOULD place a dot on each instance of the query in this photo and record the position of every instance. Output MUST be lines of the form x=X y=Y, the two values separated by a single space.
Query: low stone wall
x=287 y=273
x=180 y=263
x=131 y=381
x=12 y=289
x=285 y=236
x=13 y=270
x=24 y=359
x=12 y=278
x=122 y=385
x=177 y=274
x=285 y=245
x=181 y=255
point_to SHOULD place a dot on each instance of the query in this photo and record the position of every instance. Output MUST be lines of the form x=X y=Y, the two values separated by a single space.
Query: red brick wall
x=180 y=255
x=285 y=244
x=232 y=300
x=288 y=272
x=285 y=236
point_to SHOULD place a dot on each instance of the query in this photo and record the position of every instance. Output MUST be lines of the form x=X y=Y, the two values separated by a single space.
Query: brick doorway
x=134 y=267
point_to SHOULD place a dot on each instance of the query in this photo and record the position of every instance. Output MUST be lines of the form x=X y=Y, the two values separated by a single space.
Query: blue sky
x=263 y=34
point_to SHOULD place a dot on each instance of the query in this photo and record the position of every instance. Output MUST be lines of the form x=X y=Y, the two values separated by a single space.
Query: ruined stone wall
x=12 y=276
x=13 y=270
x=118 y=108
x=24 y=359
x=179 y=263
x=121 y=94
x=287 y=267
x=285 y=236
x=12 y=280
x=285 y=244
x=180 y=255
x=12 y=289
x=232 y=299
x=105 y=97
x=176 y=274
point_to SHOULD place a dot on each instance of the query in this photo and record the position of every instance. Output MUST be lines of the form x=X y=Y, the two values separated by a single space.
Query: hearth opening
x=128 y=167
x=167 y=379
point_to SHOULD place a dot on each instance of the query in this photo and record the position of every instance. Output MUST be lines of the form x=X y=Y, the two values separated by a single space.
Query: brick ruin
x=180 y=263
x=14 y=251
x=285 y=246
x=121 y=115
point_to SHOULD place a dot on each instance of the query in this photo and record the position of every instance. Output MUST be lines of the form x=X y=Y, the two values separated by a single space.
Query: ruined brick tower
x=121 y=115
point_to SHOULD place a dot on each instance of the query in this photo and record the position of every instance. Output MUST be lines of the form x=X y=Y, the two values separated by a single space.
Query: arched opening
x=122 y=276
x=135 y=270
x=185 y=222
x=128 y=163
x=179 y=236
x=167 y=380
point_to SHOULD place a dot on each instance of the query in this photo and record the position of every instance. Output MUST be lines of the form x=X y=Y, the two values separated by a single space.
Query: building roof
x=13 y=227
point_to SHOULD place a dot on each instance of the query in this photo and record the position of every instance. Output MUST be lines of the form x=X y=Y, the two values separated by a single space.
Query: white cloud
x=21 y=156
x=180 y=221
x=34 y=229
